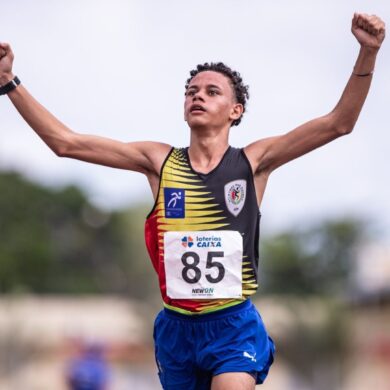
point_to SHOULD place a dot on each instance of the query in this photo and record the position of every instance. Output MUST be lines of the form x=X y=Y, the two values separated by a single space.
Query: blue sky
x=117 y=69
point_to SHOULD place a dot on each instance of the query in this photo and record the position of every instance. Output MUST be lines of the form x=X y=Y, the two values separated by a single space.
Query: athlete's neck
x=206 y=150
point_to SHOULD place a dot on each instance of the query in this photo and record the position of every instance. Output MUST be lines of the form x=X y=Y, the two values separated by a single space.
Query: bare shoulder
x=258 y=153
x=151 y=155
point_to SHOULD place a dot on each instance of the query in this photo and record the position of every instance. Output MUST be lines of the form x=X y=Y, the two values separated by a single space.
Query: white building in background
x=372 y=275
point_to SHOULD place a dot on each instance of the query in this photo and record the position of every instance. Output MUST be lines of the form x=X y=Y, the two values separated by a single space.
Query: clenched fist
x=369 y=30
x=6 y=60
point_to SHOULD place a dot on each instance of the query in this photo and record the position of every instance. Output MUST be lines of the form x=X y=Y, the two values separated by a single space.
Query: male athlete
x=202 y=232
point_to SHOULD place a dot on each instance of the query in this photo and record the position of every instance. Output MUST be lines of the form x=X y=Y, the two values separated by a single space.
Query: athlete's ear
x=236 y=111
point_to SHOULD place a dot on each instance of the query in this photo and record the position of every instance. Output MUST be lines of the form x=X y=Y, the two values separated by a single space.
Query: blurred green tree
x=318 y=259
x=55 y=241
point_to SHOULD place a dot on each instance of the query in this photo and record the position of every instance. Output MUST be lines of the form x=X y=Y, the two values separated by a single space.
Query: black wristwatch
x=9 y=86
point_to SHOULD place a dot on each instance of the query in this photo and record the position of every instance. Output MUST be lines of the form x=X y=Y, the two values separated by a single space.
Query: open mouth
x=196 y=108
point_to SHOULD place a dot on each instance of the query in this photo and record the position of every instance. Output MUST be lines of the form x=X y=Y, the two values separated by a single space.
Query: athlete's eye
x=213 y=92
x=190 y=93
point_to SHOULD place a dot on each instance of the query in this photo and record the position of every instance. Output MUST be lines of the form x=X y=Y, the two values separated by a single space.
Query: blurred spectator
x=89 y=370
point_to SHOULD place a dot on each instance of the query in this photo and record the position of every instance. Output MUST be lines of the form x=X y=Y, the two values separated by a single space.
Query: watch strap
x=11 y=85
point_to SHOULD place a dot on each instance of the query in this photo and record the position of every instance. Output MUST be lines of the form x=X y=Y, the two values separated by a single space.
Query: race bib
x=203 y=265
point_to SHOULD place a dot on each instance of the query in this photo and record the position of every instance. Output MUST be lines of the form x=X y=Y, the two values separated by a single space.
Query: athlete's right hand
x=6 y=60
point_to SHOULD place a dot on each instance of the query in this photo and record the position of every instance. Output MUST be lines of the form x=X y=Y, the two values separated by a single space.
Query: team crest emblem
x=235 y=193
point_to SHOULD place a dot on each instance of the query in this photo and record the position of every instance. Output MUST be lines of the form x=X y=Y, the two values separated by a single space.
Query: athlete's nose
x=197 y=96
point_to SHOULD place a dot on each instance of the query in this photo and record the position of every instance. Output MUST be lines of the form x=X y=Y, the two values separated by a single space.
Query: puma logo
x=253 y=358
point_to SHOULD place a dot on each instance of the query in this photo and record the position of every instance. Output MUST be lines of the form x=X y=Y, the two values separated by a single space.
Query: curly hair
x=241 y=90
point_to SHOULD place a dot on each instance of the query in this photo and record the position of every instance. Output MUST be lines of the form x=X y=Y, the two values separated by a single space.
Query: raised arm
x=268 y=154
x=144 y=157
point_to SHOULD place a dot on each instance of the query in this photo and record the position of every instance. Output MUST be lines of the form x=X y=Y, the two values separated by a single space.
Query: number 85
x=198 y=273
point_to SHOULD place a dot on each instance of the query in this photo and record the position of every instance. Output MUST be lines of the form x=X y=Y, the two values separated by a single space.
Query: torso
x=222 y=205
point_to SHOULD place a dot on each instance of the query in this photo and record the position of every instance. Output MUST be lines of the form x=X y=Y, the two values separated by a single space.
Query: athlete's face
x=210 y=101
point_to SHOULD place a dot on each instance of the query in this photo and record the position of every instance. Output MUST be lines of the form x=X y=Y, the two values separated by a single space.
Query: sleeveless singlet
x=202 y=233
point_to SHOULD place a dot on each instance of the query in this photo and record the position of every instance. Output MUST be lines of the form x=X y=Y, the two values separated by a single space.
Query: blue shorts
x=191 y=350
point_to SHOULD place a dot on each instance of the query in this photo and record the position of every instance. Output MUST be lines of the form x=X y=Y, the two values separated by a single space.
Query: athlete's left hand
x=369 y=30
x=6 y=60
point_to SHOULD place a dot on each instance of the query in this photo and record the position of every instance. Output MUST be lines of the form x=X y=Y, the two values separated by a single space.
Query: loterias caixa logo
x=187 y=241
